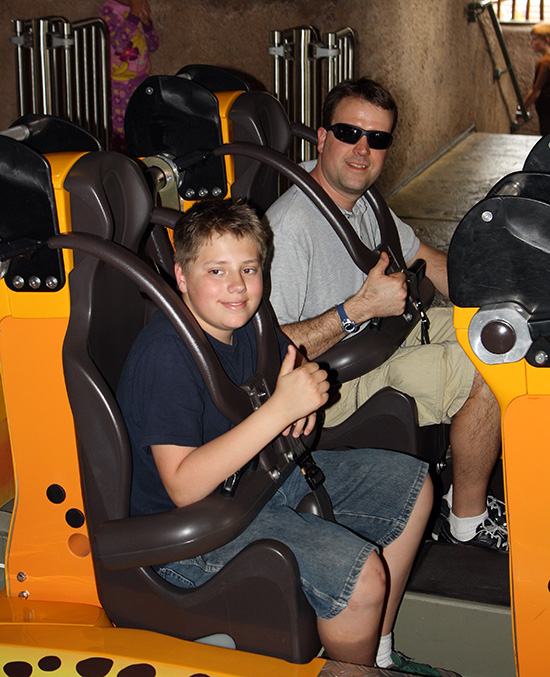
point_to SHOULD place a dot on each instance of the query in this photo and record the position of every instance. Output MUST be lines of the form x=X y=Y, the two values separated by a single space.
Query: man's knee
x=481 y=392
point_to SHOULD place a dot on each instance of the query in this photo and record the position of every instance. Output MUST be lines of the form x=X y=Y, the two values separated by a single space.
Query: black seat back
x=258 y=118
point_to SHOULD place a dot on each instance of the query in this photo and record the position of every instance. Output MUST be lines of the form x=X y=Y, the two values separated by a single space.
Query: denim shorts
x=373 y=493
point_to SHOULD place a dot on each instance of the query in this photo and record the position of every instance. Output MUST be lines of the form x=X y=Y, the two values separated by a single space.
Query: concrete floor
x=435 y=201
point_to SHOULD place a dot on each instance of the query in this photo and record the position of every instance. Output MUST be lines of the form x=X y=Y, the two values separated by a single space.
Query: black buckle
x=313 y=474
x=415 y=274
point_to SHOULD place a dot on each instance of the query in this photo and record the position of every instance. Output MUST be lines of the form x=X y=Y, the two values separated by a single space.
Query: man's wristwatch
x=348 y=325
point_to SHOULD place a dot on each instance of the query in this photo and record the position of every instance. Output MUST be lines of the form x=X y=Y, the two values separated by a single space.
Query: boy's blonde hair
x=220 y=217
x=542 y=31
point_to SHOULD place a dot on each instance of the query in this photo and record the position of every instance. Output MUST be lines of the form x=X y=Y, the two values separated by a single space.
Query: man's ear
x=180 y=278
x=321 y=136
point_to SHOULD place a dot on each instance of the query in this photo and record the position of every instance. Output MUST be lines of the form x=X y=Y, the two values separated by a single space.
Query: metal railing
x=519 y=10
x=62 y=69
x=298 y=81
x=474 y=10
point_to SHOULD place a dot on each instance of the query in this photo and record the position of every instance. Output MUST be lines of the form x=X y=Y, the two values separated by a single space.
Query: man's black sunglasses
x=351 y=134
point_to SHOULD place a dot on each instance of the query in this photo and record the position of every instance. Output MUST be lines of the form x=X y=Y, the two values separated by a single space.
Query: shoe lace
x=497 y=510
x=495 y=532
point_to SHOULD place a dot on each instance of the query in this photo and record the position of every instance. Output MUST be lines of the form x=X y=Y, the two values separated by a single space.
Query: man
x=317 y=290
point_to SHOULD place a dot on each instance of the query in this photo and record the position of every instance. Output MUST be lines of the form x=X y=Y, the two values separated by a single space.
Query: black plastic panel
x=174 y=115
x=500 y=252
x=28 y=218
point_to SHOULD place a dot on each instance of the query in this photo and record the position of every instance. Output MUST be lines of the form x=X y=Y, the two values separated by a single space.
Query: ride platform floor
x=456 y=611
x=435 y=201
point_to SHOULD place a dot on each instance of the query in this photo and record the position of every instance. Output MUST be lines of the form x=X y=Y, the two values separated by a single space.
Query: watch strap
x=348 y=325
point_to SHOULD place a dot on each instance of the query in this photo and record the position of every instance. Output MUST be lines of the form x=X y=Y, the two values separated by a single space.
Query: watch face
x=349 y=326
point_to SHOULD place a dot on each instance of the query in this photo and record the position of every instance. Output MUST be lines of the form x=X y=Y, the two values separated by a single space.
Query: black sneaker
x=491 y=533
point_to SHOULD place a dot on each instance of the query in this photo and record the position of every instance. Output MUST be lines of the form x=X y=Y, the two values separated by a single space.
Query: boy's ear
x=180 y=278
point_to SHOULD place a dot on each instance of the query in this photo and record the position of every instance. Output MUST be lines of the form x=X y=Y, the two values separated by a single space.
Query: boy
x=183 y=448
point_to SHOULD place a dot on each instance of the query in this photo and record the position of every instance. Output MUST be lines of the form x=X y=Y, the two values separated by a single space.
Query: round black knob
x=498 y=337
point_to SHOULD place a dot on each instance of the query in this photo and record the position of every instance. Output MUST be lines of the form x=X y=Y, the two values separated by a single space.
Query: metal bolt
x=541 y=357
x=51 y=282
x=189 y=194
x=274 y=474
x=487 y=216
x=34 y=282
x=21 y=576
x=18 y=281
x=169 y=178
x=289 y=456
x=408 y=317
x=149 y=90
x=203 y=192
x=24 y=593
x=216 y=192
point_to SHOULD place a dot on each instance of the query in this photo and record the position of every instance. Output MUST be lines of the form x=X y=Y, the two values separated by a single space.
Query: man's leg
x=475 y=445
x=446 y=387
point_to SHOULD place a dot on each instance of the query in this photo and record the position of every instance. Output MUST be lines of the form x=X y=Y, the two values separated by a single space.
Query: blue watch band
x=348 y=325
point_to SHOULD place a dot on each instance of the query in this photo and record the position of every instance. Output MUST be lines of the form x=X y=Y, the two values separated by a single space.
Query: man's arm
x=436 y=267
x=380 y=296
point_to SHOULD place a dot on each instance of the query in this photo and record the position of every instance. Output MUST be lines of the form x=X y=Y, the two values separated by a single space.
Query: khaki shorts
x=439 y=375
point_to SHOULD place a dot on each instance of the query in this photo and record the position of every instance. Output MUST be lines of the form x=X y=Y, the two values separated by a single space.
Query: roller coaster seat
x=259 y=125
x=257 y=598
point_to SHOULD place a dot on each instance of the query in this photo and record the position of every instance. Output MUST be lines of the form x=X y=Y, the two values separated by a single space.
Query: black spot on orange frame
x=49 y=663
x=94 y=667
x=18 y=669
x=138 y=670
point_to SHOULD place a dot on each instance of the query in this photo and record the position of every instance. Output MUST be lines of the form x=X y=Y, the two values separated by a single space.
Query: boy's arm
x=189 y=474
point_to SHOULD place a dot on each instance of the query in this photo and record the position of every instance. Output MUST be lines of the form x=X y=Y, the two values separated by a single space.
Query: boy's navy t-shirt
x=164 y=400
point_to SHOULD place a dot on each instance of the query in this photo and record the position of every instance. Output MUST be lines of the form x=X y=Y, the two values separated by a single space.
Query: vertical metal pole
x=105 y=85
x=276 y=46
x=78 y=113
x=68 y=70
x=20 y=70
x=332 y=65
x=82 y=55
x=45 y=72
x=95 y=82
x=304 y=90
x=35 y=65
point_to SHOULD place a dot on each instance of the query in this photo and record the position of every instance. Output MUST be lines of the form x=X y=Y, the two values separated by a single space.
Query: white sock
x=464 y=528
x=383 y=655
